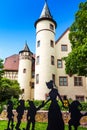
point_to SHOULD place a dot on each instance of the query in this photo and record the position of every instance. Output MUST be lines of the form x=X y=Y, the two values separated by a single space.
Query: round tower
x=24 y=72
x=45 y=69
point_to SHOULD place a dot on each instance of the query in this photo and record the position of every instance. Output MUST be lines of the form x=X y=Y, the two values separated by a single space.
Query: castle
x=33 y=70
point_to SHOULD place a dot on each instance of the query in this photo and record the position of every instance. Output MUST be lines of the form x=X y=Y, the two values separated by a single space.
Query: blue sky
x=17 y=18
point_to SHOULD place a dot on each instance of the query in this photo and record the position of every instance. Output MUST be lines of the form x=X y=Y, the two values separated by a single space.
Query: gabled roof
x=62 y=35
x=45 y=12
x=11 y=63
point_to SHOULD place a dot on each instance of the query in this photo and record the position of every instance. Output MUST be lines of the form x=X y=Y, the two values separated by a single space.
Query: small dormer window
x=51 y=27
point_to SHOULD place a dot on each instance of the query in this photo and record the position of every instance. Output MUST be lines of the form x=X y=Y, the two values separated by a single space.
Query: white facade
x=24 y=73
x=45 y=53
x=71 y=90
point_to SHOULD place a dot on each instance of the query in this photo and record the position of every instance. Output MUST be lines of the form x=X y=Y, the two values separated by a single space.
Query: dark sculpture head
x=50 y=84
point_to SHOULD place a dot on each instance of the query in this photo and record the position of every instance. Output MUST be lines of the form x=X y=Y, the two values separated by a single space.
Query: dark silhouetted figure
x=74 y=109
x=20 y=110
x=10 y=115
x=55 y=120
x=31 y=114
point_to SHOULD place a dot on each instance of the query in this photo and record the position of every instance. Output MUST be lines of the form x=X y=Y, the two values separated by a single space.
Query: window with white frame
x=77 y=81
x=59 y=63
x=63 y=81
x=63 y=47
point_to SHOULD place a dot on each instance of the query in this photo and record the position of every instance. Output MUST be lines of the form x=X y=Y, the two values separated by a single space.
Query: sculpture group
x=55 y=119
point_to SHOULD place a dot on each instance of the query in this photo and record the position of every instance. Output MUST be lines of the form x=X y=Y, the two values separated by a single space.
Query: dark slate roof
x=26 y=48
x=45 y=12
x=45 y=15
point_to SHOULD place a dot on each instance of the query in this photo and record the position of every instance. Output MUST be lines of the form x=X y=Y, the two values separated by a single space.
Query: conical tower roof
x=26 y=48
x=46 y=15
x=45 y=12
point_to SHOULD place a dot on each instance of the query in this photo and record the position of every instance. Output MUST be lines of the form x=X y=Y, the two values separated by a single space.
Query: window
x=37 y=78
x=32 y=85
x=77 y=81
x=59 y=63
x=51 y=27
x=24 y=70
x=63 y=81
x=80 y=98
x=52 y=60
x=38 y=43
x=53 y=77
x=33 y=74
x=37 y=60
x=51 y=43
x=63 y=47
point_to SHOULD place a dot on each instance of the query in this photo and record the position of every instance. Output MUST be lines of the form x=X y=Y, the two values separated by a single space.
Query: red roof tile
x=12 y=63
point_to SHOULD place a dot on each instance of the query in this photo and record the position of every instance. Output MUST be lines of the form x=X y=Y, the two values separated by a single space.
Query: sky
x=17 y=18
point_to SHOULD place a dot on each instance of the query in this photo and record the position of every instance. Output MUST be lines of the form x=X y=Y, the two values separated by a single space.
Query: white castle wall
x=45 y=51
x=25 y=78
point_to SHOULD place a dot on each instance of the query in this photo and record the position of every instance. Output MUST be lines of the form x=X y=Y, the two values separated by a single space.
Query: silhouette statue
x=74 y=109
x=31 y=114
x=20 y=110
x=55 y=120
x=10 y=115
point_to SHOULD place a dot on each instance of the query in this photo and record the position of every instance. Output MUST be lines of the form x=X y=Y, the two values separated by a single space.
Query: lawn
x=38 y=126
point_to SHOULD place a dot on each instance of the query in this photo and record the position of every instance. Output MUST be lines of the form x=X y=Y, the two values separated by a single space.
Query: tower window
x=63 y=81
x=38 y=43
x=37 y=78
x=52 y=60
x=32 y=85
x=63 y=47
x=51 y=27
x=24 y=70
x=77 y=81
x=59 y=63
x=53 y=77
x=51 y=43
x=38 y=60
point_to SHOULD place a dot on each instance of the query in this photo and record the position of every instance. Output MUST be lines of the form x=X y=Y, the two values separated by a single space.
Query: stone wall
x=42 y=116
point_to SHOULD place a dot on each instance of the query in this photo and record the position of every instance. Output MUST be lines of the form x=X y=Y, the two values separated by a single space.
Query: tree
x=9 y=88
x=1 y=68
x=76 y=61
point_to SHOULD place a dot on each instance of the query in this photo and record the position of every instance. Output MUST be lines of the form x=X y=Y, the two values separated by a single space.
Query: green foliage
x=38 y=126
x=76 y=62
x=9 y=88
x=1 y=69
x=84 y=106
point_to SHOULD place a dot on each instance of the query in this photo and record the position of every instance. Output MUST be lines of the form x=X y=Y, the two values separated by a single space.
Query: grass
x=38 y=126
